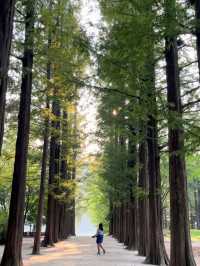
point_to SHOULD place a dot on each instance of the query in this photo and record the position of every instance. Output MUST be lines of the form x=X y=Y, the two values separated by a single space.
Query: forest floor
x=81 y=251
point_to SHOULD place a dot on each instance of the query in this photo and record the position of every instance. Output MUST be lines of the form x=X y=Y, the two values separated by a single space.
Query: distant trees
x=54 y=39
x=140 y=93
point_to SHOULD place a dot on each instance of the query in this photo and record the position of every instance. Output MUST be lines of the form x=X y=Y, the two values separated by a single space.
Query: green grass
x=195 y=235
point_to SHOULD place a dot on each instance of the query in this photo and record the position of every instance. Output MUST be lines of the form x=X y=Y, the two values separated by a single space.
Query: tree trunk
x=195 y=210
x=111 y=218
x=56 y=176
x=132 y=242
x=121 y=233
x=143 y=207
x=126 y=238
x=114 y=221
x=6 y=28
x=56 y=221
x=74 y=170
x=12 y=252
x=36 y=246
x=181 y=249
x=53 y=171
x=64 y=173
x=125 y=222
x=198 y=207
x=156 y=252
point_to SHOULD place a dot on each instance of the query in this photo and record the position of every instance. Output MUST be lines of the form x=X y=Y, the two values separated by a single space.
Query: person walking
x=99 y=239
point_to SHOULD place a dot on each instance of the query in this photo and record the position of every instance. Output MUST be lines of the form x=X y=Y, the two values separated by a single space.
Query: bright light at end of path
x=85 y=227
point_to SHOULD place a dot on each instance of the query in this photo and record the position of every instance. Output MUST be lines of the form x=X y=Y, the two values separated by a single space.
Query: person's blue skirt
x=99 y=239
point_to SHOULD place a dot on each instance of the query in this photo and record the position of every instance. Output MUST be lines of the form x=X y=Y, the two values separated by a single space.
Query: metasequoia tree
x=156 y=252
x=121 y=78
x=6 y=26
x=40 y=211
x=36 y=246
x=181 y=249
x=50 y=234
x=67 y=66
x=12 y=252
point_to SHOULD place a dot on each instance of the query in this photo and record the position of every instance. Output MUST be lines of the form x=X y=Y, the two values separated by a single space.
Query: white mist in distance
x=85 y=227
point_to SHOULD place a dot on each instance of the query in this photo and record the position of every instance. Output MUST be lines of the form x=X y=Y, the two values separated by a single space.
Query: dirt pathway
x=81 y=251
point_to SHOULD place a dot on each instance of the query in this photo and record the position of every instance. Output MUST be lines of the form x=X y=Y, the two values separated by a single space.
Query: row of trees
x=47 y=57
x=148 y=65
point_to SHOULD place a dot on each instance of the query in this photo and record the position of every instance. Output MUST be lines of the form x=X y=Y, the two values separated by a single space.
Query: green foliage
x=193 y=167
x=59 y=41
x=63 y=190
x=130 y=46
x=195 y=235
x=3 y=226
x=95 y=190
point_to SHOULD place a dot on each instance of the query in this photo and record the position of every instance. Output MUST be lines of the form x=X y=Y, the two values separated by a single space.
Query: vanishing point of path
x=81 y=251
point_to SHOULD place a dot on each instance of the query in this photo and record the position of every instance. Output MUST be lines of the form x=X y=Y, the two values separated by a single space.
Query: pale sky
x=89 y=19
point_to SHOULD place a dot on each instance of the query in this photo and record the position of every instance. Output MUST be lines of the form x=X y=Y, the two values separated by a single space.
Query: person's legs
x=98 y=249
x=101 y=246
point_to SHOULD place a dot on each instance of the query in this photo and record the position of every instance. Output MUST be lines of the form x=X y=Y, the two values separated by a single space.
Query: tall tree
x=36 y=246
x=6 y=27
x=12 y=252
x=156 y=250
x=53 y=171
x=181 y=249
x=64 y=217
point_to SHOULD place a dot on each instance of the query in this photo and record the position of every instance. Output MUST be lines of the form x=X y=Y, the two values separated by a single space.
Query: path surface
x=81 y=251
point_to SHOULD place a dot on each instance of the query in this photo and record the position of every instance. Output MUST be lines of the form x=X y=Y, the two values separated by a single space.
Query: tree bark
x=111 y=218
x=6 y=27
x=156 y=252
x=198 y=207
x=143 y=207
x=12 y=252
x=73 y=229
x=36 y=246
x=56 y=176
x=132 y=241
x=64 y=174
x=127 y=224
x=181 y=249
x=53 y=171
